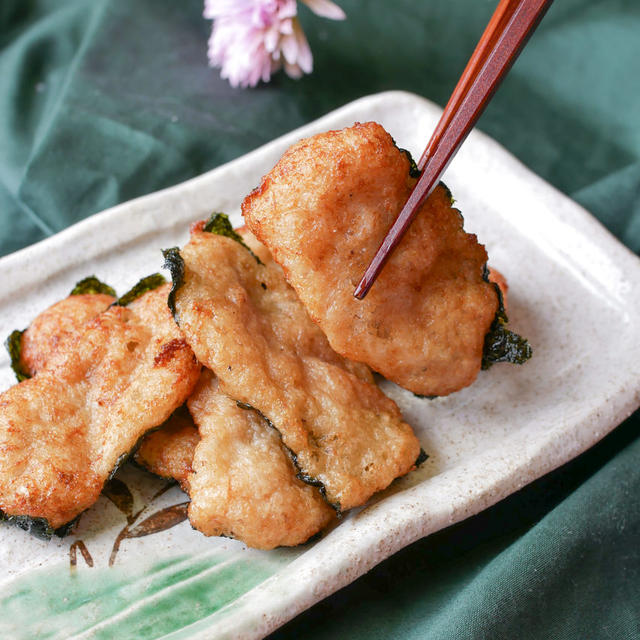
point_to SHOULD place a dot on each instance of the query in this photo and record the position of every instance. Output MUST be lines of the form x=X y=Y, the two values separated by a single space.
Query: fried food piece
x=64 y=431
x=324 y=210
x=247 y=325
x=57 y=327
x=168 y=451
x=244 y=483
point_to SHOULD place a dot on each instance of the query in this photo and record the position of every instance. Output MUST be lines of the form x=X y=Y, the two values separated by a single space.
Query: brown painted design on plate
x=119 y=494
x=79 y=545
x=155 y=523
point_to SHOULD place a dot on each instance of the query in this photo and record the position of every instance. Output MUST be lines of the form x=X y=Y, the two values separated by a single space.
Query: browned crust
x=56 y=326
x=323 y=211
x=168 y=452
x=63 y=431
x=244 y=483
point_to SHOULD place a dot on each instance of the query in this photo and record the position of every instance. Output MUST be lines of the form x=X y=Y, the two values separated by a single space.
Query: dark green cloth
x=105 y=100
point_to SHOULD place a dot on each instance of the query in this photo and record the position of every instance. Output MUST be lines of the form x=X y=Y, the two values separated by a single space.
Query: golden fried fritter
x=244 y=483
x=168 y=451
x=58 y=325
x=324 y=210
x=247 y=325
x=63 y=431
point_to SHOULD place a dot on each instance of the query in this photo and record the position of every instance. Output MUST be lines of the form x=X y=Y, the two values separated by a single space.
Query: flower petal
x=305 y=57
x=287 y=9
x=216 y=8
x=251 y=39
x=289 y=48
x=326 y=9
x=293 y=70
x=271 y=40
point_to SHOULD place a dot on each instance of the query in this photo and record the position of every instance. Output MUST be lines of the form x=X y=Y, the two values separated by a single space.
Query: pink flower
x=251 y=39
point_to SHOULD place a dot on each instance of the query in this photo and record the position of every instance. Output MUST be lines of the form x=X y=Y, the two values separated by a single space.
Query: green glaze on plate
x=60 y=602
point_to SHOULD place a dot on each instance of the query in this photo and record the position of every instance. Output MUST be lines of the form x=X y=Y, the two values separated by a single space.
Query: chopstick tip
x=368 y=278
x=362 y=289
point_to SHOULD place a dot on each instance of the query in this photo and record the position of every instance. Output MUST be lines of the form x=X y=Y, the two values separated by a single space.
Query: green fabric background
x=105 y=100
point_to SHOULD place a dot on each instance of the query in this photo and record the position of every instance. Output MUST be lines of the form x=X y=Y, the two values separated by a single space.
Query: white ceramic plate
x=574 y=292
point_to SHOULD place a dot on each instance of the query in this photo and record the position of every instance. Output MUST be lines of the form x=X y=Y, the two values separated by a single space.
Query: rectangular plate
x=574 y=292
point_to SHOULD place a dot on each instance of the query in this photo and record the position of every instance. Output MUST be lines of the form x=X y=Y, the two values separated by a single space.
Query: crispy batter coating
x=323 y=211
x=63 y=431
x=247 y=325
x=244 y=483
x=293 y=320
x=57 y=326
x=168 y=451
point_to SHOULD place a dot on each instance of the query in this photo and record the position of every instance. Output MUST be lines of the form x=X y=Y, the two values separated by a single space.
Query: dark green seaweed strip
x=144 y=285
x=64 y=529
x=13 y=345
x=502 y=344
x=300 y=474
x=175 y=264
x=450 y=196
x=219 y=224
x=423 y=456
x=122 y=458
x=91 y=284
x=38 y=527
x=414 y=172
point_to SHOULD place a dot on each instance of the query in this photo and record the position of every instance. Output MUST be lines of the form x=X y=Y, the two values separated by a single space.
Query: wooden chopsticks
x=510 y=27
